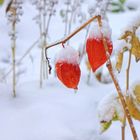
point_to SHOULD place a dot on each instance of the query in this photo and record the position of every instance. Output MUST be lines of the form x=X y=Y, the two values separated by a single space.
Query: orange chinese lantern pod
x=67 y=67
x=95 y=47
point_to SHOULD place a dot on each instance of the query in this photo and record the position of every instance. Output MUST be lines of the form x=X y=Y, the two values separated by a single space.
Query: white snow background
x=55 y=112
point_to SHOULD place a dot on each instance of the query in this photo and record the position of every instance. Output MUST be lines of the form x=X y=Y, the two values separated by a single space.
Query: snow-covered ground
x=55 y=112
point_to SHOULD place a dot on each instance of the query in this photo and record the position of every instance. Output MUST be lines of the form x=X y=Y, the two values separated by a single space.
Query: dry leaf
x=136 y=92
x=130 y=37
x=134 y=112
x=135 y=47
x=119 y=61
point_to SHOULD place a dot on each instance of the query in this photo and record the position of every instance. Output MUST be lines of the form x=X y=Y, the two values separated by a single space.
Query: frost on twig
x=101 y=7
x=71 y=14
x=14 y=11
x=46 y=10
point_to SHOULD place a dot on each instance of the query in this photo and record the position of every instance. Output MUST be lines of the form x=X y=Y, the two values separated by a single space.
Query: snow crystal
x=120 y=44
x=119 y=109
x=134 y=4
x=108 y=106
x=135 y=22
x=106 y=78
x=68 y=54
x=91 y=9
x=101 y=7
x=96 y=32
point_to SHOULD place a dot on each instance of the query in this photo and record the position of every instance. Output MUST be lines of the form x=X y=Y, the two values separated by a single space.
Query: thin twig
x=66 y=22
x=123 y=128
x=127 y=88
x=128 y=71
x=14 y=55
x=46 y=35
x=69 y=26
x=41 y=39
x=62 y=41
x=48 y=22
x=14 y=63
x=49 y=65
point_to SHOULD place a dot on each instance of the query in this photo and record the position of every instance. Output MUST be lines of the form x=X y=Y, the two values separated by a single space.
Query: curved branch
x=62 y=41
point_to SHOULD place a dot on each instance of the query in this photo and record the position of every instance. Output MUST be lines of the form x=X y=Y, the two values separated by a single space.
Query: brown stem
x=13 y=60
x=125 y=107
x=115 y=81
x=123 y=128
x=73 y=33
